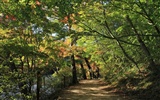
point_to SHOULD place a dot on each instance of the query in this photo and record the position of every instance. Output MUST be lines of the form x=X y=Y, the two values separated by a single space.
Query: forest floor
x=95 y=89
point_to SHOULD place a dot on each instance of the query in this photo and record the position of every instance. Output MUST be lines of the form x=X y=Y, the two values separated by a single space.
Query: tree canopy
x=59 y=37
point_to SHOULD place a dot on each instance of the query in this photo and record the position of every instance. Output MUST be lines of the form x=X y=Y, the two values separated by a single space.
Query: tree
x=113 y=23
x=39 y=36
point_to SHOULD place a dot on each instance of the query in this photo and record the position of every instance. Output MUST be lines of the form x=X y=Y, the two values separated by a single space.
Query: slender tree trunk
x=13 y=66
x=83 y=71
x=152 y=66
x=29 y=70
x=123 y=50
x=21 y=64
x=148 y=17
x=98 y=73
x=89 y=67
x=74 y=72
x=32 y=63
x=22 y=85
x=28 y=65
x=38 y=84
x=64 y=81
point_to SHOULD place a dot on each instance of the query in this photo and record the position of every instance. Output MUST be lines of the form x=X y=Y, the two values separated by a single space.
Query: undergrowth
x=140 y=86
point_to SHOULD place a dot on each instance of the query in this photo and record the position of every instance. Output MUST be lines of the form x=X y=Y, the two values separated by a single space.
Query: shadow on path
x=91 y=90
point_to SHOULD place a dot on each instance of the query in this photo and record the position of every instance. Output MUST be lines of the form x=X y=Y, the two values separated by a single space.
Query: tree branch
x=143 y=46
x=105 y=36
x=119 y=44
x=147 y=16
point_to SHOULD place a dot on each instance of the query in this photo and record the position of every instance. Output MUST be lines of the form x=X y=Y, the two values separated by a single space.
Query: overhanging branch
x=108 y=37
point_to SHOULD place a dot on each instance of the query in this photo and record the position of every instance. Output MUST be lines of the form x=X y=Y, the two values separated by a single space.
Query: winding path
x=91 y=90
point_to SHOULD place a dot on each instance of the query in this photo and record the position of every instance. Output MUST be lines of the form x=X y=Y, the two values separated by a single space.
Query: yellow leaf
x=80 y=12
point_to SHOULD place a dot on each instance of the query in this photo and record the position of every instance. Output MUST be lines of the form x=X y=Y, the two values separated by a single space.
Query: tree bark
x=123 y=50
x=89 y=67
x=38 y=84
x=152 y=66
x=83 y=71
x=98 y=72
x=74 y=72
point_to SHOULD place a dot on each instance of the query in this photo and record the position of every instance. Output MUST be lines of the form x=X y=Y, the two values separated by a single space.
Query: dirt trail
x=91 y=90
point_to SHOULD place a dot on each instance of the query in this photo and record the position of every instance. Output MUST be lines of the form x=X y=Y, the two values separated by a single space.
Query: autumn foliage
x=68 y=18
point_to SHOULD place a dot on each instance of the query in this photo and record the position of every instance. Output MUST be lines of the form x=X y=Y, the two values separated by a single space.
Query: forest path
x=91 y=90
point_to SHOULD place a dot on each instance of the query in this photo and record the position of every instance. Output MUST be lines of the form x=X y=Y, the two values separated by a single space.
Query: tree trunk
x=98 y=73
x=12 y=65
x=74 y=72
x=22 y=85
x=21 y=64
x=39 y=81
x=83 y=71
x=123 y=50
x=152 y=66
x=148 y=17
x=89 y=67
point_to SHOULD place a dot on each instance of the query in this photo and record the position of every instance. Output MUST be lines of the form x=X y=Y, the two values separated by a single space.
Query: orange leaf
x=7 y=16
x=38 y=3
x=13 y=18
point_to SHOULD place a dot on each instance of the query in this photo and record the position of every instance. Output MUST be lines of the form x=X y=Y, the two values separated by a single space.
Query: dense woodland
x=51 y=44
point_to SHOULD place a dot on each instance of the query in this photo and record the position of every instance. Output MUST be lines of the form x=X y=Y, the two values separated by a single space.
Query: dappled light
x=90 y=90
x=79 y=49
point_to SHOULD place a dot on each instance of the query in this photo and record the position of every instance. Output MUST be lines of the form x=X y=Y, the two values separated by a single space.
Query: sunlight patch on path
x=90 y=90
